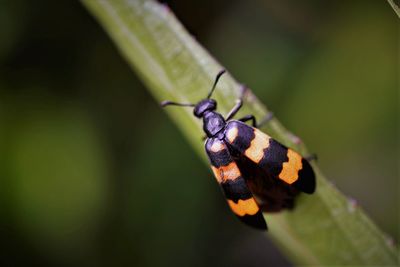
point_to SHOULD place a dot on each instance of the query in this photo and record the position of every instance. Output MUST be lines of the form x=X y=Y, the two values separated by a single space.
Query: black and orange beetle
x=256 y=172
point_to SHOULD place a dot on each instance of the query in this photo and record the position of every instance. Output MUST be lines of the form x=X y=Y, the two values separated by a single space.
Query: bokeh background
x=93 y=173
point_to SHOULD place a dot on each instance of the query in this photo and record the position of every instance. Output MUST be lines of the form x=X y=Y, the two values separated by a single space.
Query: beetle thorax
x=213 y=123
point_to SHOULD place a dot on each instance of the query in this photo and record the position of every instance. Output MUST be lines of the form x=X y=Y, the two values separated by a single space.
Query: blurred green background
x=93 y=173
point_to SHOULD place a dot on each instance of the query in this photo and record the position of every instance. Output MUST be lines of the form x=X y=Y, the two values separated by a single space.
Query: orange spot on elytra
x=217 y=146
x=291 y=168
x=228 y=172
x=232 y=134
x=256 y=150
x=243 y=207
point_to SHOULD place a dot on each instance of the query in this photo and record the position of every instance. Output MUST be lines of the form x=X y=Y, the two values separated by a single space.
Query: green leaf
x=326 y=228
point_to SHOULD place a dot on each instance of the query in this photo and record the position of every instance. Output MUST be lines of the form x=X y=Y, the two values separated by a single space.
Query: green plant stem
x=395 y=7
x=326 y=228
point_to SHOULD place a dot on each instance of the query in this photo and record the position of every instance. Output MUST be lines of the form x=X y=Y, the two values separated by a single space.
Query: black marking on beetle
x=236 y=189
x=256 y=220
x=305 y=183
x=220 y=158
x=274 y=156
x=244 y=137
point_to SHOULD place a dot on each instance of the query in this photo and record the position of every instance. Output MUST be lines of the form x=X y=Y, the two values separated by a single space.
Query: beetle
x=256 y=173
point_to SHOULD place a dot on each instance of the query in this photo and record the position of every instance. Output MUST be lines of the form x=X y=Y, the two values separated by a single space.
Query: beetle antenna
x=170 y=103
x=215 y=83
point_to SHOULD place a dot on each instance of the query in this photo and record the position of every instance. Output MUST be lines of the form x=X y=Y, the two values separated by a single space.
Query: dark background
x=93 y=173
